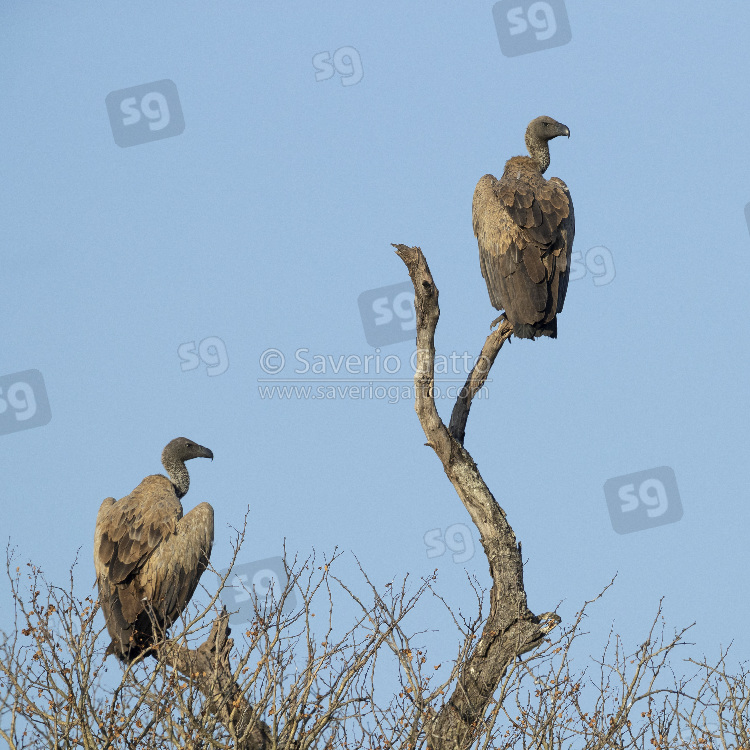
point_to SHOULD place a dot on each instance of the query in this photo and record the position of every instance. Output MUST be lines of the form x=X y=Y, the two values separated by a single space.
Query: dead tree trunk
x=208 y=668
x=511 y=628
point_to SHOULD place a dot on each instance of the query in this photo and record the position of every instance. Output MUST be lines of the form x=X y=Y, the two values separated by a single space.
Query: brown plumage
x=148 y=557
x=524 y=225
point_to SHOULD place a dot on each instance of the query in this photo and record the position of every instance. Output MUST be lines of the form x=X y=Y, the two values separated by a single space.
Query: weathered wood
x=208 y=668
x=477 y=378
x=511 y=628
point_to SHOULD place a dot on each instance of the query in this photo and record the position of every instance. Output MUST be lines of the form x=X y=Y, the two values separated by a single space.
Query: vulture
x=148 y=557
x=524 y=226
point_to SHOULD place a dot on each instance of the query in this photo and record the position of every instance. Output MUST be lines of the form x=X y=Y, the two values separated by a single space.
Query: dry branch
x=53 y=685
x=208 y=668
x=477 y=378
x=511 y=628
x=54 y=692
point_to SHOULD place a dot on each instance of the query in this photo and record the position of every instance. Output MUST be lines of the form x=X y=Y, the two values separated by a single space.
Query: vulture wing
x=171 y=573
x=127 y=533
x=99 y=566
x=524 y=227
x=567 y=232
x=148 y=558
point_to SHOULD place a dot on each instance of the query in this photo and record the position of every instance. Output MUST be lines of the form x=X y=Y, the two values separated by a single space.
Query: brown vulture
x=524 y=226
x=148 y=557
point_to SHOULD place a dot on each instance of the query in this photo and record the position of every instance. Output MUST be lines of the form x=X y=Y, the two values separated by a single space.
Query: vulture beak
x=564 y=130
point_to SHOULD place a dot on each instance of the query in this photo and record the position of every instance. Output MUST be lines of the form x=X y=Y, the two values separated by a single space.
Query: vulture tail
x=534 y=331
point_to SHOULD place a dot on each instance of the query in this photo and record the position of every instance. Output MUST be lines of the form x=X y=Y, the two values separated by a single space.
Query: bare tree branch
x=477 y=378
x=511 y=628
x=56 y=689
x=298 y=681
x=209 y=669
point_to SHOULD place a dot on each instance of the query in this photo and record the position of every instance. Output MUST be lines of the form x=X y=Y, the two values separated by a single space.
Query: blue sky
x=264 y=220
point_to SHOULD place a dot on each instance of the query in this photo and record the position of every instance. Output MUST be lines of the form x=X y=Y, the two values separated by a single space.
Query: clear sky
x=189 y=185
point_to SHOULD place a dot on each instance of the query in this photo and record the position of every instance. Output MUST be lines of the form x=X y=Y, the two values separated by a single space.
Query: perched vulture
x=148 y=557
x=524 y=226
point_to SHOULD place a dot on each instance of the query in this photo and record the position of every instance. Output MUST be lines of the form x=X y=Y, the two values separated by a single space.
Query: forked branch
x=511 y=628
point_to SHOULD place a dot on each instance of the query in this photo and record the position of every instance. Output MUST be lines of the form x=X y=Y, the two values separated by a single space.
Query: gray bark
x=511 y=628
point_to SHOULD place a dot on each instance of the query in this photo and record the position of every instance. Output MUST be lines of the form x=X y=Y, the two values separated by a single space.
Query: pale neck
x=178 y=474
x=539 y=151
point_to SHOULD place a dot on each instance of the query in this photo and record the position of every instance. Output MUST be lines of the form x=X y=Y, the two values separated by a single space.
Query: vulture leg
x=499 y=319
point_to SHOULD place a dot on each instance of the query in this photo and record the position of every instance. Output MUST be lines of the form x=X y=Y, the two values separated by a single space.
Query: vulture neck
x=539 y=151
x=178 y=474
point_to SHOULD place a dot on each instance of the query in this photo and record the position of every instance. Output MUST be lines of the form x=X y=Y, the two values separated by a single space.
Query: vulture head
x=539 y=132
x=183 y=449
x=173 y=458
